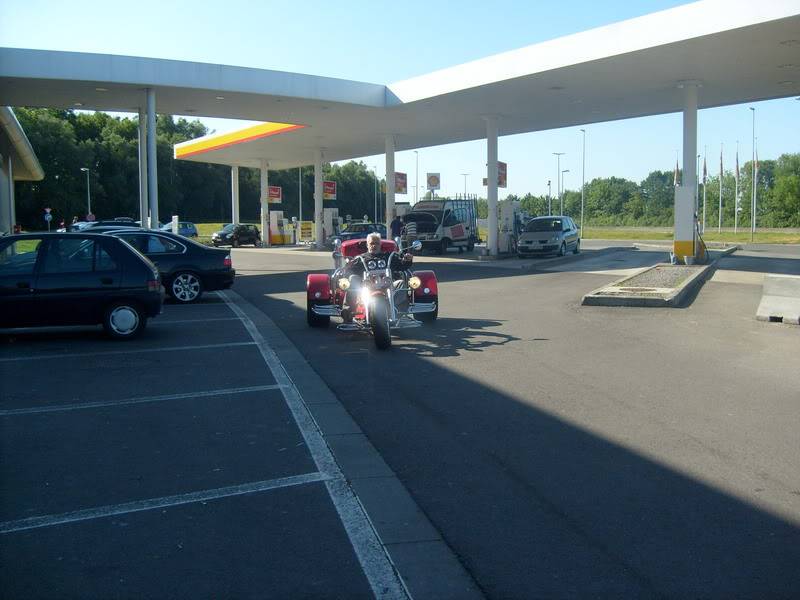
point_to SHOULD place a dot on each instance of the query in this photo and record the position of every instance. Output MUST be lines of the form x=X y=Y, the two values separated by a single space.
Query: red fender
x=429 y=281
x=318 y=287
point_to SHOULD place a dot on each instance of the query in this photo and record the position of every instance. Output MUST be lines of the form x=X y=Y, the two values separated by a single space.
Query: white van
x=442 y=224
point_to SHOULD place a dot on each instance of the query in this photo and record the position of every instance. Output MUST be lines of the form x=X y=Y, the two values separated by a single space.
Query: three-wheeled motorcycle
x=379 y=301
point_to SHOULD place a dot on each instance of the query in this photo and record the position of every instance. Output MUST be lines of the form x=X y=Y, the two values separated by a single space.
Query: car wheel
x=444 y=245
x=577 y=249
x=563 y=249
x=313 y=319
x=186 y=287
x=124 y=320
x=235 y=242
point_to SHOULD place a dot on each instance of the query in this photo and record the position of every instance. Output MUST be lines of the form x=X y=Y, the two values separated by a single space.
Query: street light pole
x=561 y=199
x=558 y=171
x=375 y=199
x=465 y=175
x=583 y=175
x=416 y=176
x=88 y=192
x=753 y=171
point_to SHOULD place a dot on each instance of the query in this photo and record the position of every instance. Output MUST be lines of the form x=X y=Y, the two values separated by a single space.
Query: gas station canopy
x=735 y=51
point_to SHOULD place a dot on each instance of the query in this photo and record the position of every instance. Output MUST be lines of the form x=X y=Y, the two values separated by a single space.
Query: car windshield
x=228 y=228
x=544 y=225
x=357 y=228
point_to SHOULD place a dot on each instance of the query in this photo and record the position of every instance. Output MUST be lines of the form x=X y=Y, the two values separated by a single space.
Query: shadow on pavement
x=533 y=505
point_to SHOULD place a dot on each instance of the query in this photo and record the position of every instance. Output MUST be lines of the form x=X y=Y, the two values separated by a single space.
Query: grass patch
x=660 y=233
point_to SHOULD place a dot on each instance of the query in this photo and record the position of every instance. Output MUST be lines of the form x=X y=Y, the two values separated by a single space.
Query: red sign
x=329 y=190
x=400 y=183
x=274 y=194
x=502 y=174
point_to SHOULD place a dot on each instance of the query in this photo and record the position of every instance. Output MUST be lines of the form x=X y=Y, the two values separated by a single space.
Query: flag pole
x=705 y=178
x=737 y=201
x=719 y=226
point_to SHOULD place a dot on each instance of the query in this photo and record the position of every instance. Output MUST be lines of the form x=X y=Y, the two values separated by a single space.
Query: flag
x=705 y=171
x=675 y=177
x=737 y=167
x=720 y=165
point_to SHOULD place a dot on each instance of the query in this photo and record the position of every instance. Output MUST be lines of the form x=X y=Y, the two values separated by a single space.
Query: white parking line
x=164 y=502
x=368 y=547
x=111 y=352
x=142 y=400
x=168 y=322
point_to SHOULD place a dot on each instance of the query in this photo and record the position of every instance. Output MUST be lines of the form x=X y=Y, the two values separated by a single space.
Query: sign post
x=48 y=217
x=434 y=183
x=329 y=190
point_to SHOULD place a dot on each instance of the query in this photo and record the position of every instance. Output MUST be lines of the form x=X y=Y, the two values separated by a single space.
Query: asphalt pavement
x=568 y=451
x=523 y=446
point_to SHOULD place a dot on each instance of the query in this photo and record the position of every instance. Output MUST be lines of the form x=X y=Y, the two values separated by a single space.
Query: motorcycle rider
x=354 y=269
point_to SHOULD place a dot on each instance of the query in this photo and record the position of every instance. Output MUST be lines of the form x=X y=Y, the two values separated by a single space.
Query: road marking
x=168 y=322
x=164 y=502
x=142 y=400
x=140 y=351
x=368 y=547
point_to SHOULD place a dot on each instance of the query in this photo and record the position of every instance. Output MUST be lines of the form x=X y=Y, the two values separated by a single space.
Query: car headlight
x=414 y=282
x=343 y=283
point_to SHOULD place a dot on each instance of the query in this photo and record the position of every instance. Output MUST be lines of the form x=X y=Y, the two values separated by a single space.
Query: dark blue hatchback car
x=49 y=279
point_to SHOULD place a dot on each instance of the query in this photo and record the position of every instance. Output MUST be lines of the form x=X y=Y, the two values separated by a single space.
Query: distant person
x=397 y=226
x=409 y=229
x=74 y=220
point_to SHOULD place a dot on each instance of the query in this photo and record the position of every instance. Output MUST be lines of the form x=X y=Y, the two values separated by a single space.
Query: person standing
x=409 y=230
x=396 y=226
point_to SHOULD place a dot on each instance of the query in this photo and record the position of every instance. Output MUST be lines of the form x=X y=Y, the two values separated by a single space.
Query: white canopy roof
x=738 y=50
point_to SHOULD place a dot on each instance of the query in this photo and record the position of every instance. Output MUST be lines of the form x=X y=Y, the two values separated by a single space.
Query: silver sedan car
x=549 y=235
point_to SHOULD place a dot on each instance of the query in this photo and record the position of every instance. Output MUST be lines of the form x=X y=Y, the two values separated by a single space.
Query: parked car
x=49 y=279
x=356 y=231
x=187 y=268
x=236 y=234
x=185 y=228
x=549 y=235
x=118 y=222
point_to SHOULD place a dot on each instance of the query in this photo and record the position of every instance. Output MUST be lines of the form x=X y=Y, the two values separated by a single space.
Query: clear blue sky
x=383 y=42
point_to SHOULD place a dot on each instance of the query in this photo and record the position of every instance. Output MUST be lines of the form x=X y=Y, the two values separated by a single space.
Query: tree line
x=66 y=141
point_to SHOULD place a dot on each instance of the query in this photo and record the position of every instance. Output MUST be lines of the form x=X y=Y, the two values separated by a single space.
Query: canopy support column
x=143 y=204
x=265 y=203
x=234 y=194
x=390 y=185
x=491 y=176
x=318 y=200
x=7 y=209
x=152 y=173
x=683 y=244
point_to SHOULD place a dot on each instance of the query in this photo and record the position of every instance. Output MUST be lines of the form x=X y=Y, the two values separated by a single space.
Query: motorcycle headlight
x=414 y=282
x=343 y=283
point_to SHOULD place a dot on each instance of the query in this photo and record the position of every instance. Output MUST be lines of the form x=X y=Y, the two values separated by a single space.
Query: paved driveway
x=568 y=451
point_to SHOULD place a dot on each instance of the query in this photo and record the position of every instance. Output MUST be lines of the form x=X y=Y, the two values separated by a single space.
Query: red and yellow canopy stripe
x=215 y=142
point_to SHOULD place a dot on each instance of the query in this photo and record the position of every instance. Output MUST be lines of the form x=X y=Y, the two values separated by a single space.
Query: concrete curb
x=673 y=299
x=780 y=300
x=425 y=563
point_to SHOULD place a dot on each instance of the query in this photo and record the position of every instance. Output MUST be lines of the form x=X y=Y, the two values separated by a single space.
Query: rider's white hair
x=374 y=236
